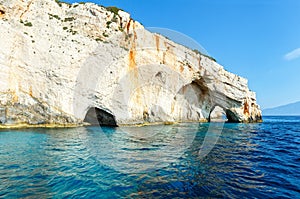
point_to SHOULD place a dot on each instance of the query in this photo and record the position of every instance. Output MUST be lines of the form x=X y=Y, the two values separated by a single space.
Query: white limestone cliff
x=59 y=62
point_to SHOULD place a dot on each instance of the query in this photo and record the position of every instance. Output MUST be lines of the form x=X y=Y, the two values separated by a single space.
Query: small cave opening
x=232 y=118
x=96 y=117
x=218 y=114
x=2 y=12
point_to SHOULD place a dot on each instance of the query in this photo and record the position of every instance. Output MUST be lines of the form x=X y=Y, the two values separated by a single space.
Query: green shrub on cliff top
x=209 y=57
x=113 y=9
x=58 y=2
x=61 y=2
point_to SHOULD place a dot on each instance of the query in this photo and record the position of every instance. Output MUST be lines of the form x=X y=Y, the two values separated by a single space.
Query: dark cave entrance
x=96 y=117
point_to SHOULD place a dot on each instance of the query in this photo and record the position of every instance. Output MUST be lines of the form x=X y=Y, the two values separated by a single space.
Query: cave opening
x=218 y=114
x=96 y=116
x=232 y=118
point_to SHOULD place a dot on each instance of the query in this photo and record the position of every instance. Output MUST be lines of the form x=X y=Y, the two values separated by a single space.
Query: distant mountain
x=288 y=109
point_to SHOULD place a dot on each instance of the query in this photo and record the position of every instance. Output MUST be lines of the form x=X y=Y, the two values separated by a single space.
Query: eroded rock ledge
x=62 y=64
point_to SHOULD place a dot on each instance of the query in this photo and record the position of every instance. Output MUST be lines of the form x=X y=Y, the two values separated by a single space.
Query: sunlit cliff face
x=59 y=60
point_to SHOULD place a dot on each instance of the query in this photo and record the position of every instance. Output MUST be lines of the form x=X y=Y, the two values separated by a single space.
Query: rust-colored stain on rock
x=164 y=58
x=30 y=91
x=157 y=42
x=246 y=108
x=27 y=9
x=128 y=26
x=15 y=97
x=181 y=69
x=132 y=62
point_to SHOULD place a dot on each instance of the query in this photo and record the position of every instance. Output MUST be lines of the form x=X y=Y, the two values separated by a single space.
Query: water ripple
x=249 y=160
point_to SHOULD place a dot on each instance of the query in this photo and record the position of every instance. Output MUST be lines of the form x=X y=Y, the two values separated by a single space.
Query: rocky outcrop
x=60 y=64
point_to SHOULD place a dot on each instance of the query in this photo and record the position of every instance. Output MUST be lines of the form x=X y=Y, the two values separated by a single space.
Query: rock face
x=64 y=64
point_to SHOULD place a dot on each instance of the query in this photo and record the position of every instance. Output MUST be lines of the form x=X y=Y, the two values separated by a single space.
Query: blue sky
x=257 y=39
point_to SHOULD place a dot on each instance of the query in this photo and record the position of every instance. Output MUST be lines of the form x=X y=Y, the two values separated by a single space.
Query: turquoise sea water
x=248 y=160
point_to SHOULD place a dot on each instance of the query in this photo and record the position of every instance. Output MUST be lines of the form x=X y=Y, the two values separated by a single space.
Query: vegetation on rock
x=113 y=9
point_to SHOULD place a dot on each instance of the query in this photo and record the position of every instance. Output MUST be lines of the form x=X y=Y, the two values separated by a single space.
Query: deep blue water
x=247 y=161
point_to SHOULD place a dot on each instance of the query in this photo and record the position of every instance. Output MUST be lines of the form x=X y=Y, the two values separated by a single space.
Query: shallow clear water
x=248 y=160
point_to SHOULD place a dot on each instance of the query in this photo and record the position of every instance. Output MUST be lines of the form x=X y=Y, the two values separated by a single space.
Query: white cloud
x=292 y=55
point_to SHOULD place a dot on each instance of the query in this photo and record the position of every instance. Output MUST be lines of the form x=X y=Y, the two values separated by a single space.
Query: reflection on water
x=140 y=149
x=249 y=160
